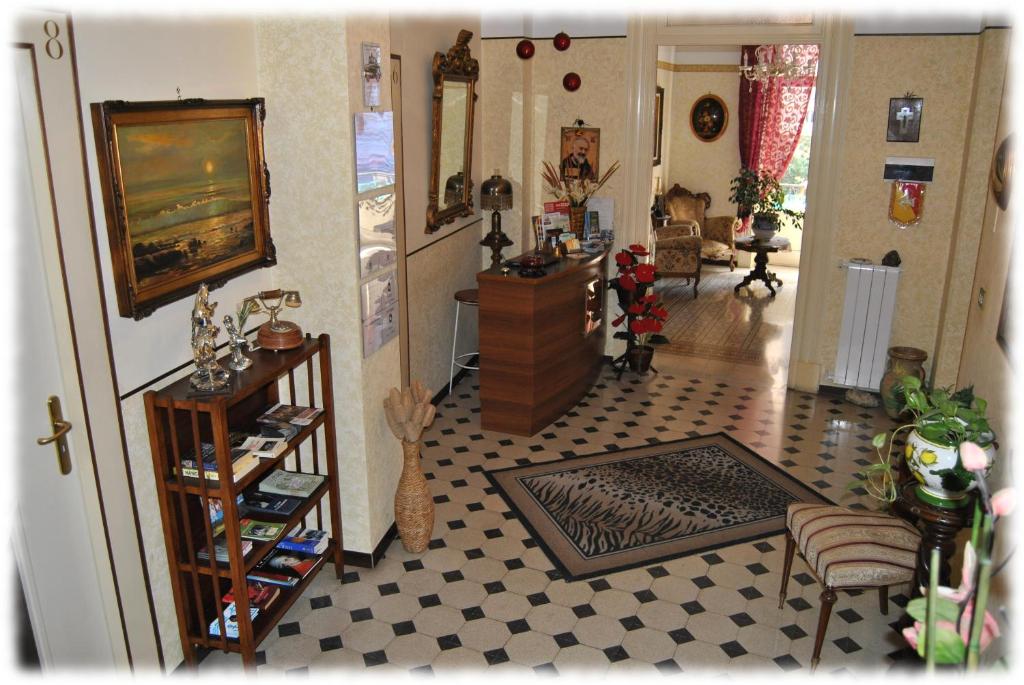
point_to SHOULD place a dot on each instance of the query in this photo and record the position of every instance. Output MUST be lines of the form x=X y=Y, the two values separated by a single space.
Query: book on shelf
x=284 y=567
x=289 y=413
x=290 y=483
x=309 y=541
x=231 y=621
x=279 y=429
x=260 y=530
x=265 y=448
x=220 y=548
x=257 y=503
x=261 y=595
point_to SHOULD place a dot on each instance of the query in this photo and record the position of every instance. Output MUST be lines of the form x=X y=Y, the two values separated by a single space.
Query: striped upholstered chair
x=848 y=550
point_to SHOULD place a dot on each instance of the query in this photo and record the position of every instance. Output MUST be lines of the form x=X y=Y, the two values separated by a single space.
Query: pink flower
x=966 y=578
x=973 y=457
x=1003 y=502
x=989 y=630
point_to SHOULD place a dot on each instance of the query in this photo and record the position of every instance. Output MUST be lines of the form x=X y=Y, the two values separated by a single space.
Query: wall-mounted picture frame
x=904 y=120
x=185 y=193
x=659 y=121
x=1002 y=172
x=709 y=117
x=580 y=153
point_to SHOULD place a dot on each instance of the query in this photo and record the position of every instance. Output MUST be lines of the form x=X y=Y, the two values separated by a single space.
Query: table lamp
x=496 y=194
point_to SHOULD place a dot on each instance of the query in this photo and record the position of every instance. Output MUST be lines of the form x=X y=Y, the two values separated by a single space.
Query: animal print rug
x=606 y=512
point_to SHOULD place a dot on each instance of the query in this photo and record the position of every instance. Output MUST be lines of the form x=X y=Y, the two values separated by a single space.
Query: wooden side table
x=941 y=527
x=761 y=248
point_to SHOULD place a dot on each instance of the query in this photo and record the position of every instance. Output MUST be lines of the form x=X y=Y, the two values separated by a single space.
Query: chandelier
x=772 y=64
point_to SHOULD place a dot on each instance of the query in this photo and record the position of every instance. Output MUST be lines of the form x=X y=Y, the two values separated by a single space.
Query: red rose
x=627 y=283
x=648 y=299
x=623 y=259
x=645 y=273
x=636 y=308
x=659 y=312
x=655 y=326
x=638 y=250
x=637 y=326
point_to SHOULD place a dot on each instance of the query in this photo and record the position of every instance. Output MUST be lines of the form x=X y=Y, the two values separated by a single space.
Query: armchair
x=677 y=252
x=718 y=233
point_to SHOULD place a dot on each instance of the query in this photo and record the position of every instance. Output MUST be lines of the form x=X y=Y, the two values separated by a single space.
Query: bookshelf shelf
x=178 y=425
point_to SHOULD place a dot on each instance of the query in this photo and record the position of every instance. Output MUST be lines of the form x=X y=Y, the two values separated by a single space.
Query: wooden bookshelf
x=178 y=424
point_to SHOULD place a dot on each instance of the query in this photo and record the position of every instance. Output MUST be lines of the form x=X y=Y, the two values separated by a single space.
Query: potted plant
x=761 y=195
x=642 y=313
x=943 y=419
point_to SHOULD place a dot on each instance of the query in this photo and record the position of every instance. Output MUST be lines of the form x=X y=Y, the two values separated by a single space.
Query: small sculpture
x=236 y=343
x=208 y=376
x=408 y=412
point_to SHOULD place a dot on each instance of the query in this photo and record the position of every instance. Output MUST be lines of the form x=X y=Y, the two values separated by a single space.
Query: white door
x=67 y=584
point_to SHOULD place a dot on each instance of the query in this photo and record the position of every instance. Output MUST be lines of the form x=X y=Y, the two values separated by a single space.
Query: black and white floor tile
x=485 y=596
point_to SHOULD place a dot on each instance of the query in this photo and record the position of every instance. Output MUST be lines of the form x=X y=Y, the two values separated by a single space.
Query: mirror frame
x=457 y=65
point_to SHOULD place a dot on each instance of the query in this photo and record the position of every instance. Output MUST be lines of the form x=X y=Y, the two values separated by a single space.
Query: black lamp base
x=496 y=240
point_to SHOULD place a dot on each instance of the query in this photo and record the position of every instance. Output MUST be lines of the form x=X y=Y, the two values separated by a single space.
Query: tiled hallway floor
x=484 y=595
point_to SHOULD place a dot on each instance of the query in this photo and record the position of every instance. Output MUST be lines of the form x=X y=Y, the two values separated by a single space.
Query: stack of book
x=263 y=447
x=310 y=541
x=257 y=503
x=262 y=531
x=286 y=420
x=284 y=567
x=290 y=483
x=231 y=621
x=261 y=596
x=243 y=460
x=221 y=550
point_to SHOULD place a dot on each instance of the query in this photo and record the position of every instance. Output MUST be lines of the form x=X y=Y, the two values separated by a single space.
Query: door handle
x=60 y=431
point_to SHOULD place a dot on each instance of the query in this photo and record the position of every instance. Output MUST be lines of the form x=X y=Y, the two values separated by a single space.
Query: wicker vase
x=414 y=507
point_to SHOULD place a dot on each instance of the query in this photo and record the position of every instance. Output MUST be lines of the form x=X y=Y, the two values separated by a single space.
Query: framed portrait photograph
x=580 y=153
x=709 y=118
x=185 y=192
x=904 y=120
x=659 y=113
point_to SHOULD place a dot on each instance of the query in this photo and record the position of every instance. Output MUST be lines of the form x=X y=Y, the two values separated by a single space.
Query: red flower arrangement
x=643 y=314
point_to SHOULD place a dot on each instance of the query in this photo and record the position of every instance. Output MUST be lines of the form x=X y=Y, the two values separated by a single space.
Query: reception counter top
x=541 y=342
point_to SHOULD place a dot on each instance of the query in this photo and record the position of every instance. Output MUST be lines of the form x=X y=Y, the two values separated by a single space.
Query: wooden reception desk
x=541 y=342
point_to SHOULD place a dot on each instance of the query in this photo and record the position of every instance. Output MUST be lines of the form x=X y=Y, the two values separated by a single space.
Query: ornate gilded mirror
x=451 y=178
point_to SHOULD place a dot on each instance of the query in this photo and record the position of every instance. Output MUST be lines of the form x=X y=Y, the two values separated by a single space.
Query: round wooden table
x=761 y=248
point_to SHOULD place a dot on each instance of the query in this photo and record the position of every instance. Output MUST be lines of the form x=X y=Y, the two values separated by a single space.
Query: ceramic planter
x=639 y=358
x=943 y=480
x=765 y=227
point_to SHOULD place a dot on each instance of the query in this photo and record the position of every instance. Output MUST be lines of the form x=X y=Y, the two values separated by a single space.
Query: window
x=794 y=182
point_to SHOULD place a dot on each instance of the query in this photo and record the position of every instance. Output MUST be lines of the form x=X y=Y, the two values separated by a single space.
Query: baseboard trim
x=446 y=390
x=370 y=560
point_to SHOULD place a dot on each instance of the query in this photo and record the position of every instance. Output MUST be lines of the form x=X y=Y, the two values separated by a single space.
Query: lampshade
x=453 y=189
x=496 y=194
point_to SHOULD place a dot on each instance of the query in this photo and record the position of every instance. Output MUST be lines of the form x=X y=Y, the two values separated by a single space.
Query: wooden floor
x=749 y=327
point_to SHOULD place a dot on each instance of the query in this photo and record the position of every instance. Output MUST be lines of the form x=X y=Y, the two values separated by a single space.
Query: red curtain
x=772 y=113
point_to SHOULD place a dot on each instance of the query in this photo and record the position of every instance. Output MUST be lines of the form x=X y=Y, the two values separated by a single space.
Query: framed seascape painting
x=185 y=191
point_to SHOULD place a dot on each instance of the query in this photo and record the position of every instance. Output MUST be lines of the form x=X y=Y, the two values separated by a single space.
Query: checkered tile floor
x=485 y=596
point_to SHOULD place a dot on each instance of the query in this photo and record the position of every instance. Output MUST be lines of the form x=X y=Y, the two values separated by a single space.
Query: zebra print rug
x=606 y=512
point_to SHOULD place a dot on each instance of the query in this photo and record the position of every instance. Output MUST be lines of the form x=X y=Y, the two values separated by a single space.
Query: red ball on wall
x=571 y=81
x=561 y=41
x=525 y=49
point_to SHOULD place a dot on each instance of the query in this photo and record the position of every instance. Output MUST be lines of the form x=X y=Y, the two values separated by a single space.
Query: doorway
x=713 y=123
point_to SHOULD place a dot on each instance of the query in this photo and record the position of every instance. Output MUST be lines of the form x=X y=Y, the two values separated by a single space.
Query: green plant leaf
x=911 y=383
x=657 y=339
x=949 y=648
x=945 y=609
x=879 y=440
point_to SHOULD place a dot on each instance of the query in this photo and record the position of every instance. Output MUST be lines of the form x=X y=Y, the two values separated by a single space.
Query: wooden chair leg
x=828 y=598
x=883 y=600
x=787 y=566
x=696 y=282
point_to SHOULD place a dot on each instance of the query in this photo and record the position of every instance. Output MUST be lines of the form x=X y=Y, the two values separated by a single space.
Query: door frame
x=834 y=35
x=87 y=360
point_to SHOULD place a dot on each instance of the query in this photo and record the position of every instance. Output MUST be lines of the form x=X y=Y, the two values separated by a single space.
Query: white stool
x=469 y=298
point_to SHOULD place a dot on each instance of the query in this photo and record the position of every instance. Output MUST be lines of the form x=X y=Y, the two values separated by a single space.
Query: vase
x=639 y=358
x=577 y=215
x=765 y=227
x=903 y=361
x=942 y=479
x=414 y=506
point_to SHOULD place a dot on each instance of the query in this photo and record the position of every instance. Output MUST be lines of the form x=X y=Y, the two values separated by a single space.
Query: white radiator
x=867 y=322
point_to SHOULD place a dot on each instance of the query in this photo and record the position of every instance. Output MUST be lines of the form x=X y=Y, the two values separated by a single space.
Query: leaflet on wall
x=377 y=247
x=375 y=150
x=605 y=208
x=378 y=295
x=378 y=330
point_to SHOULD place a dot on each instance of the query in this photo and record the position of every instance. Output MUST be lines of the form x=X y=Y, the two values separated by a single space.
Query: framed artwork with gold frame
x=185 y=193
x=709 y=117
x=659 y=121
x=579 y=153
